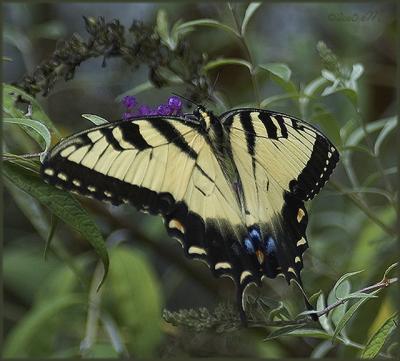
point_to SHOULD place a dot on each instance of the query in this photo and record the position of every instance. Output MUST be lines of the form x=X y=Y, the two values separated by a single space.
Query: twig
x=382 y=284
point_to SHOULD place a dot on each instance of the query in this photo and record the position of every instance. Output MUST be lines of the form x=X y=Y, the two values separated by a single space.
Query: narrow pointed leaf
x=282 y=331
x=251 y=9
x=349 y=314
x=207 y=23
x=95 y=119
x=227 y=61
x=280 y=70
x=378 y=339
x=37 y=126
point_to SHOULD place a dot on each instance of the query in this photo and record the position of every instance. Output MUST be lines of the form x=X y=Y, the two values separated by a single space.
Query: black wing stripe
x=282 y=125
x=269 y=125
x=108 y=134
x=131 y=134
x=172 y=135
x=247 y=125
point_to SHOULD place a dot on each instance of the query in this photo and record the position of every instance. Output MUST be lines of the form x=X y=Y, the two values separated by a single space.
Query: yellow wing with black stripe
x=282 y=162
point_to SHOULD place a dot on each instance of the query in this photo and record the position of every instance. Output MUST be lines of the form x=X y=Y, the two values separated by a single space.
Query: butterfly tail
x=240 y=305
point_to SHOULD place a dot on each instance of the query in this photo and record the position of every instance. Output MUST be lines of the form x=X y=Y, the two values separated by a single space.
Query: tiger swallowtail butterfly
x=231 y=189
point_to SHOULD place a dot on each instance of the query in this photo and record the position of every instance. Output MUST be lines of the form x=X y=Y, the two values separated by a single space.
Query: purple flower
x=129 y=101
x=175 y=103
x=127 y=116
x=144 y=110
x=164 y=109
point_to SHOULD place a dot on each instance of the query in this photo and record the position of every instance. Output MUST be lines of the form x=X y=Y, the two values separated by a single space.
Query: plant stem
x=248 y=54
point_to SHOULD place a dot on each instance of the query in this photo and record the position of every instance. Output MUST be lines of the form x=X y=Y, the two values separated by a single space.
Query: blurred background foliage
x=333 y=65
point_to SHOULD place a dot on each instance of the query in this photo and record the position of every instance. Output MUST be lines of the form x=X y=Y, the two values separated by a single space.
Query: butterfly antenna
x=187 y=99
x=210 y=94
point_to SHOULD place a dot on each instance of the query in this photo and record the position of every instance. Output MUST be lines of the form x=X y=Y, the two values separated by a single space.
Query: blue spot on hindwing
x=270 y=245
x=249 y=246
x=255 y=235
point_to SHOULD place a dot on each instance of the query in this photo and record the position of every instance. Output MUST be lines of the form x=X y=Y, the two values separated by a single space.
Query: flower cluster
x=173 y=107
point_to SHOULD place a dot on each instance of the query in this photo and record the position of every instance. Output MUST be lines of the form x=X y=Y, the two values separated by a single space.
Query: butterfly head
x=206 y=117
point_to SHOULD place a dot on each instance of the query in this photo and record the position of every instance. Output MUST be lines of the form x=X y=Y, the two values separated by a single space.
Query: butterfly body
x=231 y=189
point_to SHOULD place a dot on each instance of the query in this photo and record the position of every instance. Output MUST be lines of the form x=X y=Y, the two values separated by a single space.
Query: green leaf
x=10 y=95
x=349 y=314
x=280 y=70
x=61 y=204
x=162 y=26
x=389 y=126
x=315 y=333
x=279 y=310
x=282 y=331
x=35 y=125
x=227 y=61
x=350 y=94
x=207 y=23
x=24 y=335
x=95 y=119
x=358 y=134
x=133 y=295
x=378 y=339
x=323 y=319
x=297 y=330
x=250 y=10
x=276 y=98
x=357 y=71
x=315 y=86
x=53 y=227
x=342 y=279
x=288 y=86
x=341 y=291
x=389 y=269
x=314 y=297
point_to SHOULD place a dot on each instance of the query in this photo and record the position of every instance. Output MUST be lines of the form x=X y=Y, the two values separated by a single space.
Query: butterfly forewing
x=161 y=166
